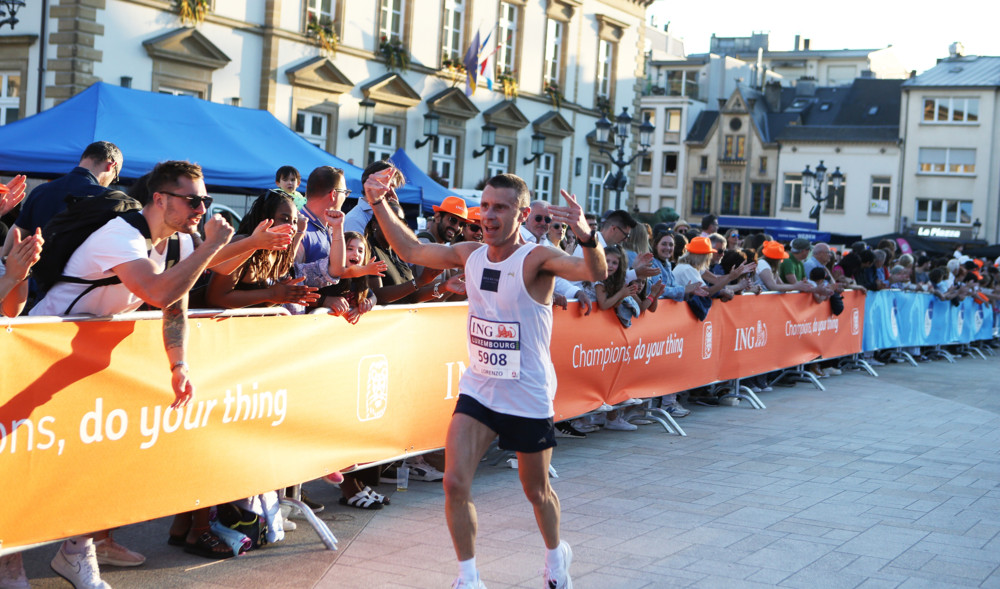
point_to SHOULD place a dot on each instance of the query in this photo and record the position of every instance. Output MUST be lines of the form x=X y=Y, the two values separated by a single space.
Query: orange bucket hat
x=453 y=205
x=700 y=245
x=774 y=250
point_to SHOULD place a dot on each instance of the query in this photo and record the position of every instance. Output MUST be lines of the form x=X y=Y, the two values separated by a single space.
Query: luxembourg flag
x=471 y=63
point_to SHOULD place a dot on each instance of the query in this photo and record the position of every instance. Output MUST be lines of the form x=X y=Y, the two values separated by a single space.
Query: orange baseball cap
x=453 y=205
x=474 y=214
x=700 y=245
x=978 y=262
x=774 y=250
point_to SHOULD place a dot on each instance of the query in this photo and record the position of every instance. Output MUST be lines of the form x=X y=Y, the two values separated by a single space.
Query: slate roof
x=865 y=111
x=970 y=70
x=702 y=125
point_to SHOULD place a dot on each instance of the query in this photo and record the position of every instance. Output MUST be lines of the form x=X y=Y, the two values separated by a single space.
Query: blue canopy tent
x=238 y=148
x=432 y=193
x=779 y=229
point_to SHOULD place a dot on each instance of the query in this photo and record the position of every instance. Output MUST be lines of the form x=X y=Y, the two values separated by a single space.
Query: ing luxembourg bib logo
x=373 y=387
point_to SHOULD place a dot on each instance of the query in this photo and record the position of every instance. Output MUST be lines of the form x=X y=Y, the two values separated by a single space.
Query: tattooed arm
x=174 y=341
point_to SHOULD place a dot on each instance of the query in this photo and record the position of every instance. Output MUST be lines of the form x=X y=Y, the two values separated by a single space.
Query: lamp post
x=10 y=7
x=618 y=139
x=815 y=185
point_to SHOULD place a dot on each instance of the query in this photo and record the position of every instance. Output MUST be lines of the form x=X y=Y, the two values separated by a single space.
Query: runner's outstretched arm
x=405 y=243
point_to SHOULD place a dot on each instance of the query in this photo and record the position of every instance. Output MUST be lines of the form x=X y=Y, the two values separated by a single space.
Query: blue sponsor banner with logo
x=898 y=319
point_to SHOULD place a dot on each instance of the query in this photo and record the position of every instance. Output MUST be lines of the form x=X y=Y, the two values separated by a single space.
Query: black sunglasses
x=193 y=200
x=539 y=218
x=475 y=228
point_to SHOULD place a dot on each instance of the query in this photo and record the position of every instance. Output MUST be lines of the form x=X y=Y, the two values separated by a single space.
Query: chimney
x=772 y=95
x=805 y=44
x=797 y=39
x=956 y=49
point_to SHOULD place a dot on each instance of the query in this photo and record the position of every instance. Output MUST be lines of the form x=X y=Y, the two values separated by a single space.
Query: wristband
x=590 y=242
x=176 y=365
x=650 y=298
x=437 y=293
x=414 y=283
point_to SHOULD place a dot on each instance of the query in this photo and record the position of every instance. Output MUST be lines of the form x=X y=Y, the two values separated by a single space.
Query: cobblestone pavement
x=877 y=482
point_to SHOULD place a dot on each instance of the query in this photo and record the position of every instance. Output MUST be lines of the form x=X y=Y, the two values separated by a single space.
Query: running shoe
x=565 y=429
x=114 y=554
x=558 y=577
x=81 y=570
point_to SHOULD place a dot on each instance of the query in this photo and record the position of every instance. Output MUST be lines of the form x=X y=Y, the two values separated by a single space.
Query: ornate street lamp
x=815 y=185
x=603 y=134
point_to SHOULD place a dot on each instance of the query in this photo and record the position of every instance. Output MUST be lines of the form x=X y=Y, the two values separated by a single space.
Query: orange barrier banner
x=88 y=442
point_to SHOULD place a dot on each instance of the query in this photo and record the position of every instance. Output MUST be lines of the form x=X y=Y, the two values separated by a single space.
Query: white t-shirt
x=115 y=243
x=686 y=274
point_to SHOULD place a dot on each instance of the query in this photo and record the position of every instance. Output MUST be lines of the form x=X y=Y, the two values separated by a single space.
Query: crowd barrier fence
x=88 y=442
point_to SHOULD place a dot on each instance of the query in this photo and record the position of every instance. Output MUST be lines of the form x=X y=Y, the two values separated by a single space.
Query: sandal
x=361 y=500
x=377 y=496
x=208 y=545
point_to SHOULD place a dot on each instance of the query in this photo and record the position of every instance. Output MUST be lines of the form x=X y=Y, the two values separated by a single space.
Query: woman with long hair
x=769 y=259
x=265 y=277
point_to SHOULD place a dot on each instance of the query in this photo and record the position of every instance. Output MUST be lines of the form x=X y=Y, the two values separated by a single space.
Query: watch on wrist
x=437 y=293
x=176 y=365
x=591 y=241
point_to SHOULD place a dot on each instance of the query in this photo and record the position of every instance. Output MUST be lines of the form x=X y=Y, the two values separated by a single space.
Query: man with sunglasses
x=133 y=270
x=99 y=167
x=447 y=223
x=535 y=229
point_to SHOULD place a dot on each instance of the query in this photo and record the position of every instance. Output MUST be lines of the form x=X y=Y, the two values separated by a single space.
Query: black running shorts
x=517 y=434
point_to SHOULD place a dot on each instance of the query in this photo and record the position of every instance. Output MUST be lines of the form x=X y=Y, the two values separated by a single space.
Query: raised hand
x=291 y=291
x=374 y=268
x=455 y=284
x=217 y=231
x=656 y=290
x=644 y=267
x=334 y=217
x=11 y=194
x=24 y=254
x=378 y=185
x=571 y=215
x=267 y=237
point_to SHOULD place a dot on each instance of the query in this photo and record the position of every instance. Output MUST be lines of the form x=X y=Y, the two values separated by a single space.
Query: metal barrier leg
x=660 y=415
x=739 y=391
x=939 y=352
x=856 y=362
x=322 y=530
x=799 y=374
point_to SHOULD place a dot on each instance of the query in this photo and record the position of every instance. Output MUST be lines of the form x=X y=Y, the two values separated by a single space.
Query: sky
x=920 y=31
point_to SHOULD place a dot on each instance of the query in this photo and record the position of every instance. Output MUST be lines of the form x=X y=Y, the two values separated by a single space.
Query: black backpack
x=71 y=227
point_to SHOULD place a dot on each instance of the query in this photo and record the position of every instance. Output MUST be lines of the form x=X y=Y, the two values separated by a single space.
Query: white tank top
x=510 y=370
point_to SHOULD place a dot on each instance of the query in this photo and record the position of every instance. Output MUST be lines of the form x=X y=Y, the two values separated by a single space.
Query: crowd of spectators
x=302 y=252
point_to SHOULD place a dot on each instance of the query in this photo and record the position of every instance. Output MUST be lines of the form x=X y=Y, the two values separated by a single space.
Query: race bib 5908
x=495 y=348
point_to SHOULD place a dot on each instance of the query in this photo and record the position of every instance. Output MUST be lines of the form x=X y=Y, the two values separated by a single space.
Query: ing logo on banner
x=373 y=387
x=751 y=337
x=894 y=319
x=977 y=321
x=855 y=322
x=929 y=319
x=706 y=339
x=960 y=322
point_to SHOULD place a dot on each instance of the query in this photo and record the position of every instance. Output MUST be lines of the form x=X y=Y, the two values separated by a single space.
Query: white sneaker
x=112 y=553
x=460 y=584
x=81 y=570
x=288 y=525
x=559 y=579
x=582 y=426
x=12 y=572
x=676 y=410
x=620 y=425
x=729 y=401
x=833 y=371
x=633 y=401
x=421 y=471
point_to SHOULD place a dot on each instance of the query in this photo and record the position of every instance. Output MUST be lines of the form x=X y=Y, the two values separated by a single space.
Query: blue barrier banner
x=896 y=319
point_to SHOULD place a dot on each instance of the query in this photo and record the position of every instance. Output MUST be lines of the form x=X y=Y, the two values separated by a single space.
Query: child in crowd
x=287 y=178
x=351 y=298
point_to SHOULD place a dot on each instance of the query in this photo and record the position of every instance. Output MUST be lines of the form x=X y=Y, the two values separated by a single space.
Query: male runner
x=509 y=386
